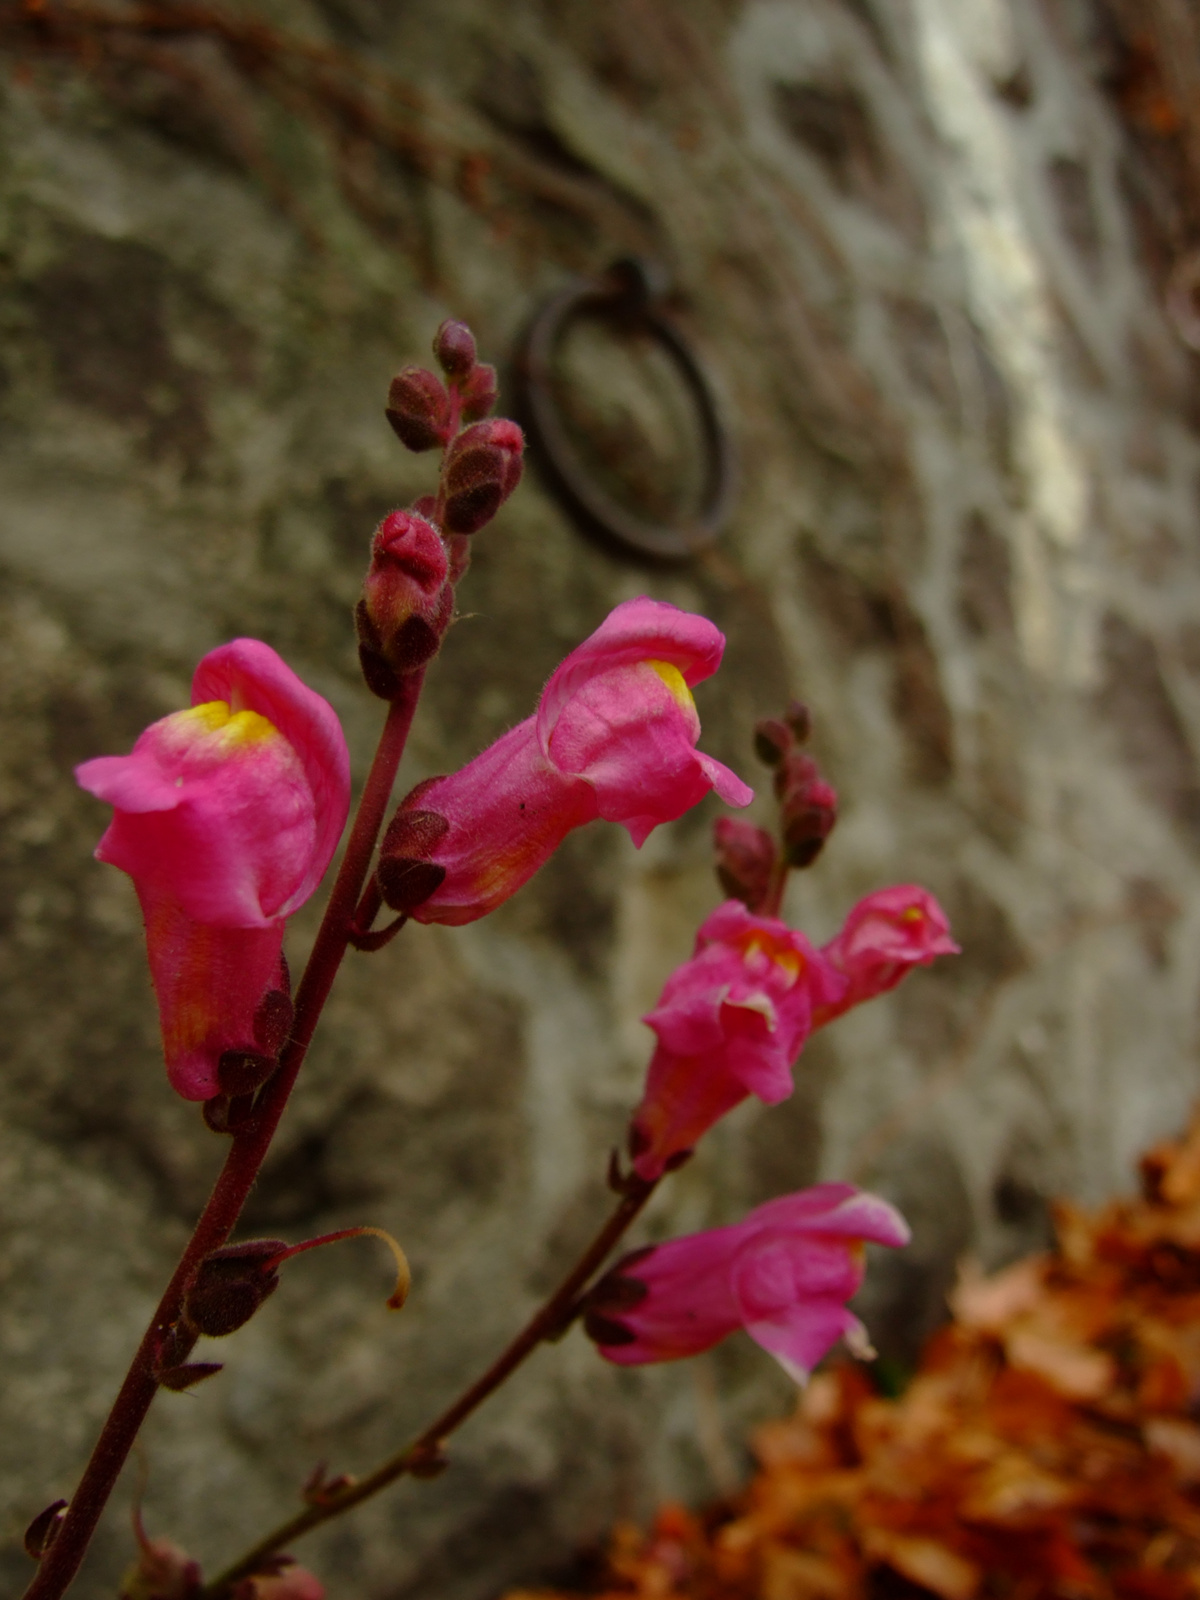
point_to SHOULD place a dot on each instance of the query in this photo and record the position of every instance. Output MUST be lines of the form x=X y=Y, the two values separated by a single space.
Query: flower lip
x=636 y=630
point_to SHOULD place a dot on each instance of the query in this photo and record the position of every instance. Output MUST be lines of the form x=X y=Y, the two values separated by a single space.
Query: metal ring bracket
x=630 y=294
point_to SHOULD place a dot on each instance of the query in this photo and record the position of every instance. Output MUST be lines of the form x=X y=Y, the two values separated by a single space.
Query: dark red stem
x=60 y=1563
x=422 y=1455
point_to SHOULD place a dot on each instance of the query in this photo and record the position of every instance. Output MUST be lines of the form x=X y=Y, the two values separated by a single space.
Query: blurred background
x=937 y=257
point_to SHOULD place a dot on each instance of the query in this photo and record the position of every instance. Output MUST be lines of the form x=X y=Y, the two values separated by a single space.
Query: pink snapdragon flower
x=730 y=1022
x=226 y=817
x=614 y=736
x=783 y=1274
x=885 y=935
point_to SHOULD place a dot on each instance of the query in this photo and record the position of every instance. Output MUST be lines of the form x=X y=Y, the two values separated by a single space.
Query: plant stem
x=250 y=1144
x=773 y=902
x=424 y=1450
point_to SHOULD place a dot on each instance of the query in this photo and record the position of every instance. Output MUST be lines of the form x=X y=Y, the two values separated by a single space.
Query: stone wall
x=925 y=260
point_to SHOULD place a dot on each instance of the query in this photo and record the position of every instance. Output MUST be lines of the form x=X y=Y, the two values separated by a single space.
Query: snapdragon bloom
x=614 y=736
x=783 y=1274
x=730 y=1022
x=226 y=817
x=885 y=935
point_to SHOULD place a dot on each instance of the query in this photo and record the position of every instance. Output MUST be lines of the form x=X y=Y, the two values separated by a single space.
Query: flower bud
x=745 y=859
x=799 y=719
x=162 y=1572
x=477 y=393
x=231 y=1284
x=454 y=347
x=287 y=1581
x=419 y=409
x=407 y=601
x=773 y=739
x=808 y=808
x=483 y=467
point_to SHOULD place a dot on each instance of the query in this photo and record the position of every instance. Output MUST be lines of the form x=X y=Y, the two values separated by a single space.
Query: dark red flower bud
x=799 y=719
x=407 y=601
x=419 y=409
x=482 y=468
x=406 y=873
x=772 y=740
x=477 y=393
x=808 y=808
x=162 y=1572
x=454 y=347
x=745 y=860
x=231 y=1284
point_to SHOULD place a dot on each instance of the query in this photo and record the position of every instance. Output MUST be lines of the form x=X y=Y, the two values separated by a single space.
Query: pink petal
x=725 y=781
x=801 y=1335
x=248 y=675
x=239 y=843
x=837 y=1210
x=636 y=630
x=209 y=982
x=508 y=811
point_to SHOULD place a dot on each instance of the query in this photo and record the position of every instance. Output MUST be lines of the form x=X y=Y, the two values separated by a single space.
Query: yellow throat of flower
x=674 y=681
x=218 y=724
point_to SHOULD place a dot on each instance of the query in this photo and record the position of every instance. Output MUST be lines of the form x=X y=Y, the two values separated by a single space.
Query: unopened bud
x=799 y=719
x=808 y=809
x=745 y=860
x=419 y=409
x=483 y=467
x=477 y=393
x=454 y=347
x=407 y=601
x=162 y=1572
x=231 y=1284
x=772 y=740
x=288 y=1581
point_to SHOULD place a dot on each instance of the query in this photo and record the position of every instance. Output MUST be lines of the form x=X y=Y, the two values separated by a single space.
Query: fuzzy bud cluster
x=419 y=555
x=807 y=803
x=426 y=412
x=407 y=602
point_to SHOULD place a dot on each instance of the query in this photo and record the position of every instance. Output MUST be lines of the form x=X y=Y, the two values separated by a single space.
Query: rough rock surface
x=917 y=248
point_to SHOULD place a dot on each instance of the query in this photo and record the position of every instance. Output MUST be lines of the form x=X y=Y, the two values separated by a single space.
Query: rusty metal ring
x=630 y=293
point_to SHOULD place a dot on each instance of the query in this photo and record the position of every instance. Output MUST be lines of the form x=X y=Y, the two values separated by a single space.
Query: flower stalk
x=251 y=1141
x=423 y=1457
